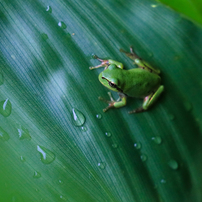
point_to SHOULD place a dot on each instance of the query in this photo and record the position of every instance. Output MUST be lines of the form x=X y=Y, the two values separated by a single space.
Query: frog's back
x=139 y=82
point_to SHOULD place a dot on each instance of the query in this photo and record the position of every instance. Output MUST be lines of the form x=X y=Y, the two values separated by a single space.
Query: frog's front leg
x=139 y=62
x=106 y=63
x=114 y=103
x=149 y=100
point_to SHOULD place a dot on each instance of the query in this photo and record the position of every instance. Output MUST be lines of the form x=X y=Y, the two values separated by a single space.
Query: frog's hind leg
x=149 y=100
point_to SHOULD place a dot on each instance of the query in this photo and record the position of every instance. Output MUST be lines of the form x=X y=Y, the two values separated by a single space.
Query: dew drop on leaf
x=36 y=174
x=98 y=116
x=5 y=107
x=22 y=158
x=108 y=134
x=62 y=25
x=78 y=117
x=102 y=165
x=49 y=9
x=143 y=157
x=138 y=145
x=47 y=156
x=157 y=139
x=114 y=145
x=23 y=133
x=4 y=135
x=173 y=164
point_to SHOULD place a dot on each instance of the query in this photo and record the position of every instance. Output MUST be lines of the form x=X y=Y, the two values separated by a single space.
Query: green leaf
x=56 y=144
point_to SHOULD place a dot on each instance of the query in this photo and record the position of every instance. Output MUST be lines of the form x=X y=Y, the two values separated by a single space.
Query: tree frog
x=141 y=82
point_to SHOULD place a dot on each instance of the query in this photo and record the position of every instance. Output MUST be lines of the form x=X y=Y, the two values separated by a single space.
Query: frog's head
x=109 y=78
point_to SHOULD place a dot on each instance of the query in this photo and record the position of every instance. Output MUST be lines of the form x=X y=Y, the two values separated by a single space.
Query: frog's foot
x=132 y=55
x=104 y=63
x=109 y=102
x=114 y=103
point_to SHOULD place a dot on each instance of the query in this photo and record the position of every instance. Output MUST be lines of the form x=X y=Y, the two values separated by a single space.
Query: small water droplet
x=36 y=174
x=157 y=139
x=47 y=156
x=143 y=157
x=108 y=134
x=188 y=106
x=98 y=116
x=163 y=181
x=4 y=135
x=22 y=158
x=62 y=25
x=49 y=9
x=60 y=181
x=102 y=165
x=138 y=145
x=23 y=133
x=78 y=117
x=114 y=145
x=84 y=129
x=1 y=78
x=44 y=36
x=173 y=164
x=5 y=107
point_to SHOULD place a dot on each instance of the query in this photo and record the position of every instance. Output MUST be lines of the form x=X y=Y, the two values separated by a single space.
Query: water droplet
x=60 y=181
x=157 y=139
x=98 y=116
x=4 y=135
x=23 y=133
x=1 y=78
x=22 y=158
x=138 y=145
x=84 y=129
x=78 y=117
x=188 y=106
x=47 y=156
x=49 y=9
x=163 y=181
x=108 y=134
x=143 y=157
x=36 y=174
x=114 y=145
x=101 y=165
x=5 y=107
x=62 y=25
x=173 y=164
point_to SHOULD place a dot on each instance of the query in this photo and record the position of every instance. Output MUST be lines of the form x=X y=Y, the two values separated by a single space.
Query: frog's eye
x=112 y=84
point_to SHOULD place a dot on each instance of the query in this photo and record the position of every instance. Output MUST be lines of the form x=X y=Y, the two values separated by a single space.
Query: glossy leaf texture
x=56 y=144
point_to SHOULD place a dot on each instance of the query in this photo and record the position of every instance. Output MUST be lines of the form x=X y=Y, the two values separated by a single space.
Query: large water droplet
x=78 y=117
x=138 y=145
x=23 y=133
x=4 y=135
x=49 y=9
x=36 y=174
x=101 y=165
x=157 y=139
x=173 y=164
x=5 y=107
x=62 y=25
x=47 y=156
